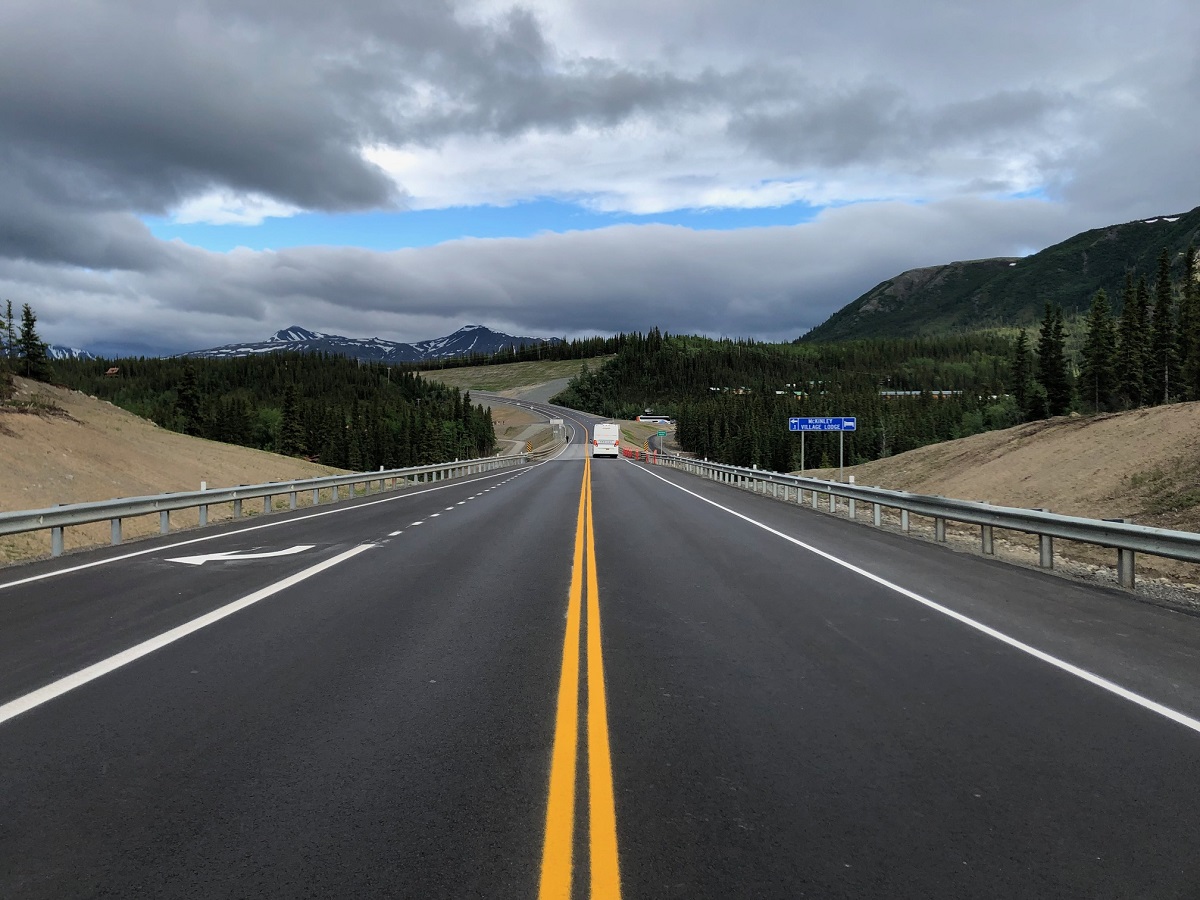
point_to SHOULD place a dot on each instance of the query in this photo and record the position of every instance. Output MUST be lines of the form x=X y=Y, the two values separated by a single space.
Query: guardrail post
x=266 y=504
x=832 y=502
x=292 y=500
x=164 y=522
x=850 y=504
x=204 y=515
x=1125 y=574
x=316 y=496
x=56 y=541
x=814 y=499
x=904 y=520
x=334 y=497
x=939 y=529
x=237 y=509
x=877 y=514
x=1045 y=548
x=985 y=535
x=116 y=531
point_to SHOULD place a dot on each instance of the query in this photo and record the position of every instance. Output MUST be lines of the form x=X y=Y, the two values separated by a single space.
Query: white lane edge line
x=1112 y=687
x=213 y=537
x=33 y=699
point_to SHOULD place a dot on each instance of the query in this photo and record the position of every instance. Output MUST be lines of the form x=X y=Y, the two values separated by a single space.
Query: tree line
x=578 y=348
x=731 y=399
x=22 y=351
x=1146 y=356
x=329 y=409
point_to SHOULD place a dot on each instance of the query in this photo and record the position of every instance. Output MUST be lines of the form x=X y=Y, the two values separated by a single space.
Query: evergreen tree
x=31 y=351
x=7 y=339
x=1098 y=379
x=291 y=426
x=187 y=403
x=1189 y=326
x=1052 y=362
x=1131 y=353
x=1162 y=364
x=1020 y=371
x=8 y=335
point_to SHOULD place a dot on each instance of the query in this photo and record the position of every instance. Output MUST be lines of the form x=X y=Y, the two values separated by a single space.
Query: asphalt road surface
x=577 y=679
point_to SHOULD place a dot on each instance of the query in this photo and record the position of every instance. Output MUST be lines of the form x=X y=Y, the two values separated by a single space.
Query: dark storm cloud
x=767 y=282
x=877 y=122
x=112 y=110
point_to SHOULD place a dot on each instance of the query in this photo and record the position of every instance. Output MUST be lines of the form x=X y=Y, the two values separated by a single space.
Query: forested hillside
x=330 y=409
x=732 y=399
x=987 y=293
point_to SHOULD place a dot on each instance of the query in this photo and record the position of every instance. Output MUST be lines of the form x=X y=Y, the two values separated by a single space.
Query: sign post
x=840 y=424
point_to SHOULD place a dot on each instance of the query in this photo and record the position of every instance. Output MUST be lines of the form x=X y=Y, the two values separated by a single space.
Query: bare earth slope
x=1142 y=465
x=89 y=449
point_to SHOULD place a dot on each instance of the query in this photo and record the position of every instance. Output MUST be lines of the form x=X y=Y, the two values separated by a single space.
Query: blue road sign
x=823 y=423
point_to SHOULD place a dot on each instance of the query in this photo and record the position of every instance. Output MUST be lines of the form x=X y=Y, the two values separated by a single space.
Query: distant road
x=703 y=692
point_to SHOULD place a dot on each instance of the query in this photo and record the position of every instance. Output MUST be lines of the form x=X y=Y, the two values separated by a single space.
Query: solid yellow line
x=602 y=813
x=555 y=881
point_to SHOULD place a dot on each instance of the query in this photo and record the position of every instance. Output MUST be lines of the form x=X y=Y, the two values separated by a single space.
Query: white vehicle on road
x=606 y=438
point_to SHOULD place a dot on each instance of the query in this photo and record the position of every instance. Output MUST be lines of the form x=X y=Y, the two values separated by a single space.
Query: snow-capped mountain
x=471 y=339
x=54 y=351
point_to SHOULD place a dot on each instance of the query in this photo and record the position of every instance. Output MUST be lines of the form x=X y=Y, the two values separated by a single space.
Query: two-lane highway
x=583 y=679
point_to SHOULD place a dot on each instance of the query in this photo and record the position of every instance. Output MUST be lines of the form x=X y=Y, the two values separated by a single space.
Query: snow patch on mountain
x=468 y=340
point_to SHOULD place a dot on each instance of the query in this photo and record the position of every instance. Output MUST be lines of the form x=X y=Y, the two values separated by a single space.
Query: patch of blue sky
x=394 y=230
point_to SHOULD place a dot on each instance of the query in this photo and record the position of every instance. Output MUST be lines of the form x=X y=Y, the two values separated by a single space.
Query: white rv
x=606 y=438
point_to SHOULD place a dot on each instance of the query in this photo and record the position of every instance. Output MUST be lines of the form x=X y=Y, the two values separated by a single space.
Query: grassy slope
x=511 y=376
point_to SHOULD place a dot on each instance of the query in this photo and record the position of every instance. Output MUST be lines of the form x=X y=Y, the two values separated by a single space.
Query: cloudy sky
x=178 y=174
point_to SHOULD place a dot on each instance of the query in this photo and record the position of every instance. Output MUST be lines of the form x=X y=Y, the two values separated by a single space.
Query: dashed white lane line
x=422 y=522
x=435 y=515
x=462 y=502
x=395 y=534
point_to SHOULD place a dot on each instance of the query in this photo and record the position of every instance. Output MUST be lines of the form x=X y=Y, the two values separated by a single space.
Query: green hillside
x=1012 y=291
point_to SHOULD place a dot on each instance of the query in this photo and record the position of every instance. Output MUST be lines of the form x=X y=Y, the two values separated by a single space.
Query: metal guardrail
x=59 y=517
x=1126 y=538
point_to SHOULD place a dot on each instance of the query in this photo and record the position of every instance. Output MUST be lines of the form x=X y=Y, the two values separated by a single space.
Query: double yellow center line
x=557 y=850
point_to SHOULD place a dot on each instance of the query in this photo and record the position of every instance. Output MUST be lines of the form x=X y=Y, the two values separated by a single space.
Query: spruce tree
x=6 y=348
x=187 y=403
x=9 y=336
x=32 y=353
x=1130 y=347
x=1052 y=362
x=1162 y=364
x=1189 y=322
x=1098 y=375
x=1020 y=371
x=291 y=428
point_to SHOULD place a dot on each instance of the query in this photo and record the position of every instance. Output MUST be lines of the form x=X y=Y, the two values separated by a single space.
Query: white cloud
x=228 y=208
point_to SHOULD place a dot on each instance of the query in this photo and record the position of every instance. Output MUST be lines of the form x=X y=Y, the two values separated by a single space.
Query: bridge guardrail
x=59 y=517
x=1126 y=538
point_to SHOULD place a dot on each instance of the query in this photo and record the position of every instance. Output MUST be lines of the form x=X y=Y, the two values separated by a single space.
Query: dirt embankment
x=1142 y=465
x=71 y=448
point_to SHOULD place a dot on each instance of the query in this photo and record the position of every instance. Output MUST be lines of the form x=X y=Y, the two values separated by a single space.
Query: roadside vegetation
x=327 y=409
x=732 y=399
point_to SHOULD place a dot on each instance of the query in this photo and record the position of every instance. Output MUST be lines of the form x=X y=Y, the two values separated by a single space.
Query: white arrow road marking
x=36 y=698
x=235 y=555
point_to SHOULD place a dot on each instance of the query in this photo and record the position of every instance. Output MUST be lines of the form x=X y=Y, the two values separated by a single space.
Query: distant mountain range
x=470 y=340
x=962 y=296
x=54 y=351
